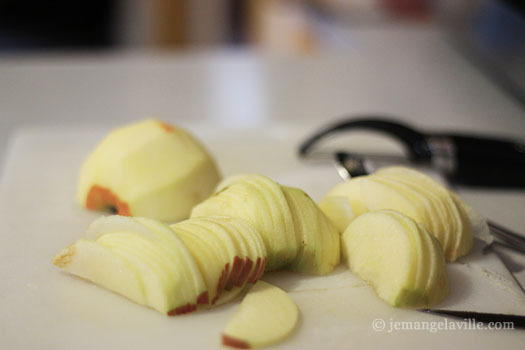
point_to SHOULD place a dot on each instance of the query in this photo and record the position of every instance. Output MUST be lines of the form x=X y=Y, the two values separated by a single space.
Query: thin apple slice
x=378 y=196
x=245 y=235
x=441 y=220
x=386 y=251
x=169 y=277
x=211 y=265
x=437 y=287
x=98 y=264
x=318 y=238
x=157 y=273
x=350 y=189
x=422 y=256
x=457 y=224
x=266 y=315
x=260 y=201
x=429 y=220
x=466 y=239
x=379 y=250
x=338 y=210
x=172 y=246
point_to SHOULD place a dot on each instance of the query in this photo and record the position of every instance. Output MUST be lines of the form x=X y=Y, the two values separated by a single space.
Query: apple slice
x=141 y=259
x=391 y=252
x=318 y=238
x=266 y=315
x=98 y=264
x=350 y=189
x=466 y=239
x=378 y=195
x=147 y=169
x=260 y=201
x=338 y=210
x=427 y=211
x=460 y=227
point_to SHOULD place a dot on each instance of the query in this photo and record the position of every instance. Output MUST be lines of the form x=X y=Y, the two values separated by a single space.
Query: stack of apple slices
x=410 y=192
x=228 y=251
x=296 y=233
x=402 y=261
x=172 y=270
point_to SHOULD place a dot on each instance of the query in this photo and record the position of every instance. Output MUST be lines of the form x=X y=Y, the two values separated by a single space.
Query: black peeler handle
x=484 y=161
x=466 y=159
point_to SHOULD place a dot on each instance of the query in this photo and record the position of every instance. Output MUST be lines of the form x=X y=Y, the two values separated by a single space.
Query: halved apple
x=148 y=169
x=266 y=315
x=318 y=238
x=260 y=201
x=397 y=257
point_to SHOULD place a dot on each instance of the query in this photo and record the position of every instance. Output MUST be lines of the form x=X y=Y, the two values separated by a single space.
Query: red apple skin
x=184 y=309
x=234 y=343
x=99 y=197
x=245 y=272
x=203 y=299
x=221 y=283
x=237 y=268
x=167 y=127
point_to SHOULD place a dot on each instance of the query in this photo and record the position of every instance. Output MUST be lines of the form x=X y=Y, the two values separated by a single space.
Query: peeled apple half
x=149 y=169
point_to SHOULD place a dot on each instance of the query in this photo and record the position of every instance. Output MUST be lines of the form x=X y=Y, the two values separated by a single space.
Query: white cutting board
x=44 y=308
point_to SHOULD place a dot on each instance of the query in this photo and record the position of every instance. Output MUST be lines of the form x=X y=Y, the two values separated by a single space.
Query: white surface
x=47 y=309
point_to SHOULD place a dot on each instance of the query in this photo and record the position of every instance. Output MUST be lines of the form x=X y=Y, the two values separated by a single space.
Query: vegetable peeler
x=465 y=159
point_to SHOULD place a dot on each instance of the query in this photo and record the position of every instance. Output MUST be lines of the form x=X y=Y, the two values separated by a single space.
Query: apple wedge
x=260 y=201
x=147 y=168
x=397 y=257
x=266 y=315
x=318 y=238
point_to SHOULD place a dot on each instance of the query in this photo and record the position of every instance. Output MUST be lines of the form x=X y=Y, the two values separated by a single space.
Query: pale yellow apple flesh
x=148 y=169
x=266 y=315
x=162 y=266
x=296 y=233
x=399 y=259
x=318 y=238
x=412 y=193
x=260 y=201
x=338 y=210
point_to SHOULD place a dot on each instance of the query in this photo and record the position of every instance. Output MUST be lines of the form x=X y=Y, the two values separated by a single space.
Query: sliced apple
x=266 y=315
x=161 y=264
x=97 y=263
x=260 y=201
x=392 y=253
x=426 y=210
x=147 y=169
x=338 y=210
x=465 y=240
x=318 y=238
x=227 y=257
x=378 y=195
x=459 y=225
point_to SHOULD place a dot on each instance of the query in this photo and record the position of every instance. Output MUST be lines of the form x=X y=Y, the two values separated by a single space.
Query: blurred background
x=491 y=33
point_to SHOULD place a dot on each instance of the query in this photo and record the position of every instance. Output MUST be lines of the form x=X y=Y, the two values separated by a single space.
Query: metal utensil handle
x=513 y=239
